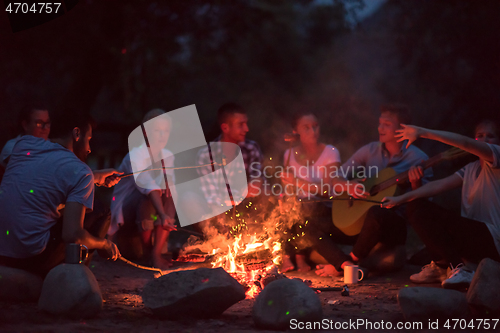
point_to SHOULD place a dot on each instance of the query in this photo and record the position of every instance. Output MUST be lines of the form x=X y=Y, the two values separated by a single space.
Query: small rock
x=422 y=303
x=17 y=285
x=283 y=300
x=483 y=295
x=71 y=290
x=273 y=277
x=345 y=291
x=199 y=293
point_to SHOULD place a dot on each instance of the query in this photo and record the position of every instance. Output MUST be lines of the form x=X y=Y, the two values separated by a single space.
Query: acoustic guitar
x=349 y=215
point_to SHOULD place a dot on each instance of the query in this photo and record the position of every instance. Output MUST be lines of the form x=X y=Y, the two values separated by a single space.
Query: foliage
x=450 y=48
x=122 y=58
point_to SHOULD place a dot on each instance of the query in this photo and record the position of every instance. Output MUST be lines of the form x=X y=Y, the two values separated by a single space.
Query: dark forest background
x=119 y=59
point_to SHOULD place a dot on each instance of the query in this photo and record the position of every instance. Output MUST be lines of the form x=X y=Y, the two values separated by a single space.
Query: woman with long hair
x=317 y=159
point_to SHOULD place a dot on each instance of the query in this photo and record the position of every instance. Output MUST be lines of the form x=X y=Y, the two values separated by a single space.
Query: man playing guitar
x=380 y=225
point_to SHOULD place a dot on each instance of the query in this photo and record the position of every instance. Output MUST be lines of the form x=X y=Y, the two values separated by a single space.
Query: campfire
x=254 y=252
x=249 y=262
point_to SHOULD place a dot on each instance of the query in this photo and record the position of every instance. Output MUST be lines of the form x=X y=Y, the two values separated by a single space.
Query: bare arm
x=313 y=188
x=428 y=190
x=330 y=185
x=170 y=207
x=73 y=231
x=415 y=175
x=167 y=217
x=478 y=148
x=332 y=166
x=106 y=177
x=288 y=178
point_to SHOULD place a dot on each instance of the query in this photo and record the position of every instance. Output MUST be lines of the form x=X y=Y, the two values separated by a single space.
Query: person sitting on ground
x=384 y=226
x=451 y=238
x=41 y=178
x=33 y=120
x=318 y=158
x=233 y=123
x=141 y=201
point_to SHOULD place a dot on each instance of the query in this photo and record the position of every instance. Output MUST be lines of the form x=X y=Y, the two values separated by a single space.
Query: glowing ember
x=249 y=261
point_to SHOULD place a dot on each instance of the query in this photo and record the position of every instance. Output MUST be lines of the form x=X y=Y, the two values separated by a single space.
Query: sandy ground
x=374 y=299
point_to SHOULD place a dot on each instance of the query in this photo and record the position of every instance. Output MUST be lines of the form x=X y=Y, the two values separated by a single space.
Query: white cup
x=352 y=274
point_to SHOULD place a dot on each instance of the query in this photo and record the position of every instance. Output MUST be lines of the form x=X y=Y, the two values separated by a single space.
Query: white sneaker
x=430 y=273
x=460 y=277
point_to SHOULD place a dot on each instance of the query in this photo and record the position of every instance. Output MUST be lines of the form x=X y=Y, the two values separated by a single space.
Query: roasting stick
x=140 y=266
x=345 y=199
x=153 y=268
x=199 y=234
x=228 y=188
x=165 y=168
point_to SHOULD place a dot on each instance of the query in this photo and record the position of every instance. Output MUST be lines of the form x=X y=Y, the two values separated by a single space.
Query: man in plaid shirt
x=232 y=120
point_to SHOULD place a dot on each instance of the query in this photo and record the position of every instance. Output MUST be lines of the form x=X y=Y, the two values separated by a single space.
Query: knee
x=375 y=214
x=146 y=224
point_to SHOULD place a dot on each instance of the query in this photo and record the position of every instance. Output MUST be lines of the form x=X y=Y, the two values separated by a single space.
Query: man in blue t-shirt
x=41 y=178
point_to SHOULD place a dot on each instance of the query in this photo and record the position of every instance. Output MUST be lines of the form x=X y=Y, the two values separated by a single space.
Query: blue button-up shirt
x=374 y=157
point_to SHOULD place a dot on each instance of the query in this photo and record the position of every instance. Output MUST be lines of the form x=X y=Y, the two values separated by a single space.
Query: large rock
x=484 y=291
x=71 y=290
x=421 y=303
x=283 y=300
x=199 y=293
x=17 y=285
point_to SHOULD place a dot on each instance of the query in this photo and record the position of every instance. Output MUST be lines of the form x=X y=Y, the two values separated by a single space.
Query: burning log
x=193 y=257
x=255 y=257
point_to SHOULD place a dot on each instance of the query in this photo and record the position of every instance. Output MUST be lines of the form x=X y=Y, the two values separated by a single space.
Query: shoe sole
x=425 y=282
x=428 y=282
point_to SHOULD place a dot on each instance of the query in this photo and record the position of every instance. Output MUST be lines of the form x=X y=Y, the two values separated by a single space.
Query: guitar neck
x=403 y=176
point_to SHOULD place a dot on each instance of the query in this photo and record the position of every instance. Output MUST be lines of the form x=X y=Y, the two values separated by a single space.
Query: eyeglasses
x=42 y=124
